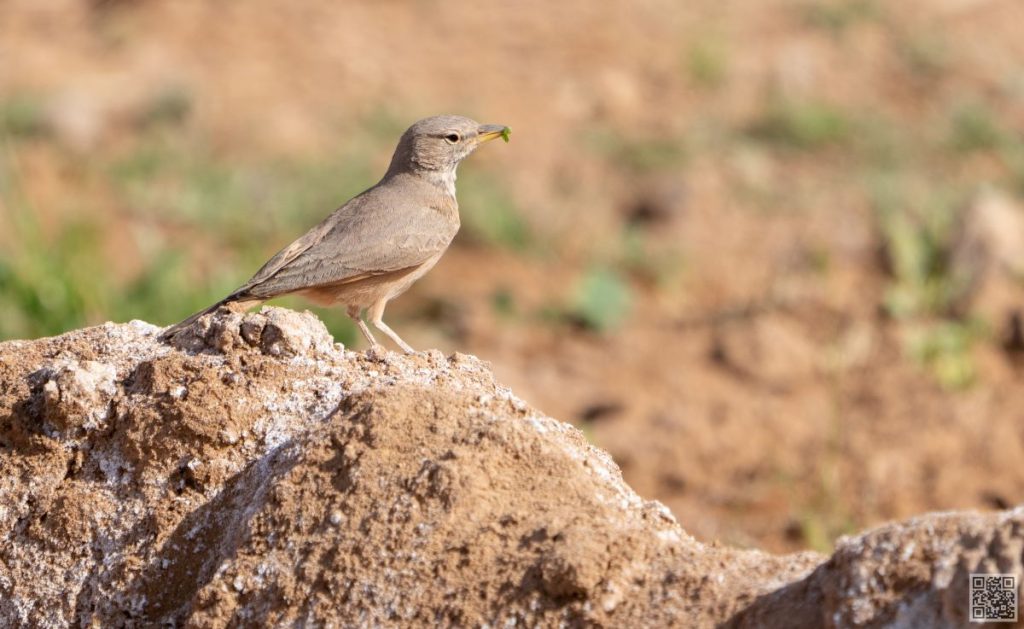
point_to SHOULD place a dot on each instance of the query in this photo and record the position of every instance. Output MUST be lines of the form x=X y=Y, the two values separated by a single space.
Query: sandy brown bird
x=375 y=246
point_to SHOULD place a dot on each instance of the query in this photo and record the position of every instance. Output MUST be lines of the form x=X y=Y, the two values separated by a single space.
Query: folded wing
x=370 y=235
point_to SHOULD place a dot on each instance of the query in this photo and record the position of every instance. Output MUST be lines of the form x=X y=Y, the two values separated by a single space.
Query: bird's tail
x=232 y=301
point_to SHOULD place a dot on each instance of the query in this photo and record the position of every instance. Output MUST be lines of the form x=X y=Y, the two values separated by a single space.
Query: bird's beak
x=488 y=132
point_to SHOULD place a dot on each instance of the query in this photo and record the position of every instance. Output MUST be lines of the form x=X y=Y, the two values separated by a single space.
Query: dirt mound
x=257 y=473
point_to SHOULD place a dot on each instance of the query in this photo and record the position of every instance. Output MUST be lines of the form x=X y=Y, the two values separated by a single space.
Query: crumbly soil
x=256 y=473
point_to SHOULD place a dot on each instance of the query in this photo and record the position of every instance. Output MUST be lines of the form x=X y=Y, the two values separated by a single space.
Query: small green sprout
x=505 y=133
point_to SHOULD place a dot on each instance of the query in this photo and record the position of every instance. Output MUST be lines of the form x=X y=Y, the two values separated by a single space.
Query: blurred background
x=769 y=255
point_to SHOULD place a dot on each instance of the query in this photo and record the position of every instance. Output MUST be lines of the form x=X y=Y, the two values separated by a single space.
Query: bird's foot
x=376 y=352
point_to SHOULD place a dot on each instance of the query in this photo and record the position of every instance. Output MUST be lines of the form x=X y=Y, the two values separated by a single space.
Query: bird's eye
x=452 y=138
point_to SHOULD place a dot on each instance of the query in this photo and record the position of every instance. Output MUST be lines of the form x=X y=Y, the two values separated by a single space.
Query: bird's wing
x=373 y=234
x=289 y=253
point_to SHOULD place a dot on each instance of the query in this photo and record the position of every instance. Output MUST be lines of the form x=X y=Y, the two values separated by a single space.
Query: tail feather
x=170 y=332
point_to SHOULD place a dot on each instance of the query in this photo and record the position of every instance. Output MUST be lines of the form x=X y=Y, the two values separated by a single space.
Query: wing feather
x=380 y=231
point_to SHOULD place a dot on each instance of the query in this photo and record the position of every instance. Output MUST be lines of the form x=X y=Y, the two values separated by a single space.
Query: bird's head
x=435 y=146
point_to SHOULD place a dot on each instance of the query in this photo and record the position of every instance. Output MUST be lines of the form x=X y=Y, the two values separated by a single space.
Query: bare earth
x=260 y=474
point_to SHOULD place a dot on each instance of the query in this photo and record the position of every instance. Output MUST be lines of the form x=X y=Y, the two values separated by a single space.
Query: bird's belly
x=403 y=285
x=362 y=293
x=370 y=290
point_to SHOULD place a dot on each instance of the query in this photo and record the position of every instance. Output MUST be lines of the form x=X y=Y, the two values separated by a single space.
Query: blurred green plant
x=882 y=144
x=36 y=292
x=826 y=514
x=803 y=125
x=22 y=116
x=637 y=155
x=658 y=265
x=917 y=232
x=170 y=106
x=974 y=127
x=246 y=202
x=917 y=257
x=602 y=299
x=47 y=287
x=503 y=302
x=707 y=62
x=489 y=214
x=916 y=224
x=944 y=348
x=1012 y=154
x=820 y=526
x=925 y=54
x=836 y=16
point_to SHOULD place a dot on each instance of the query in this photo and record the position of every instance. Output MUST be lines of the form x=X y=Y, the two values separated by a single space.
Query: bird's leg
x=353 y=312
x=377 y=319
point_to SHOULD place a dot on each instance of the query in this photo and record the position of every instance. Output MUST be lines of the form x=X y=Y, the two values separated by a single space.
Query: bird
x=376 y=245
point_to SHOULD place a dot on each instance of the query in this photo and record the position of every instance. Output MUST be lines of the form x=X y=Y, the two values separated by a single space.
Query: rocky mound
x=258 y=474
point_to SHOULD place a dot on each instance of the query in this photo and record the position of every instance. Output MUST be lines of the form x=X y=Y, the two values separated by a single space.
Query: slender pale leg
x=353 y=311
x=377 y=319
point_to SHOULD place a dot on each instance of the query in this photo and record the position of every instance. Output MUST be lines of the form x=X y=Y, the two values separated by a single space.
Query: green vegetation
x=882 y=144
x=802 y=125
x=503 y=301
x=637 y=154
x=836 y=16
x=926 y=55
x=648 y=262
x=974 y=127
x=22 y=116
x=43 y=294
x=820 y=525
x=944 y=348
x=916 y=236
x=916 y=186
x=827 y=514
x=171 y=106
x=248 y=202
x=489 y=213
x=602 y=299
x=707 y=63
x=916 y=225
x=1013 y=156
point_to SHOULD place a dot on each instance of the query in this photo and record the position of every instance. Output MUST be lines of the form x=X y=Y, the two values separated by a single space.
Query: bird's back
x=398 y=224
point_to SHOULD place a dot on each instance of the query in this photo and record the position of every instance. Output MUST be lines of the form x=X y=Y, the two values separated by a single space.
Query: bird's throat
x=443 y=179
